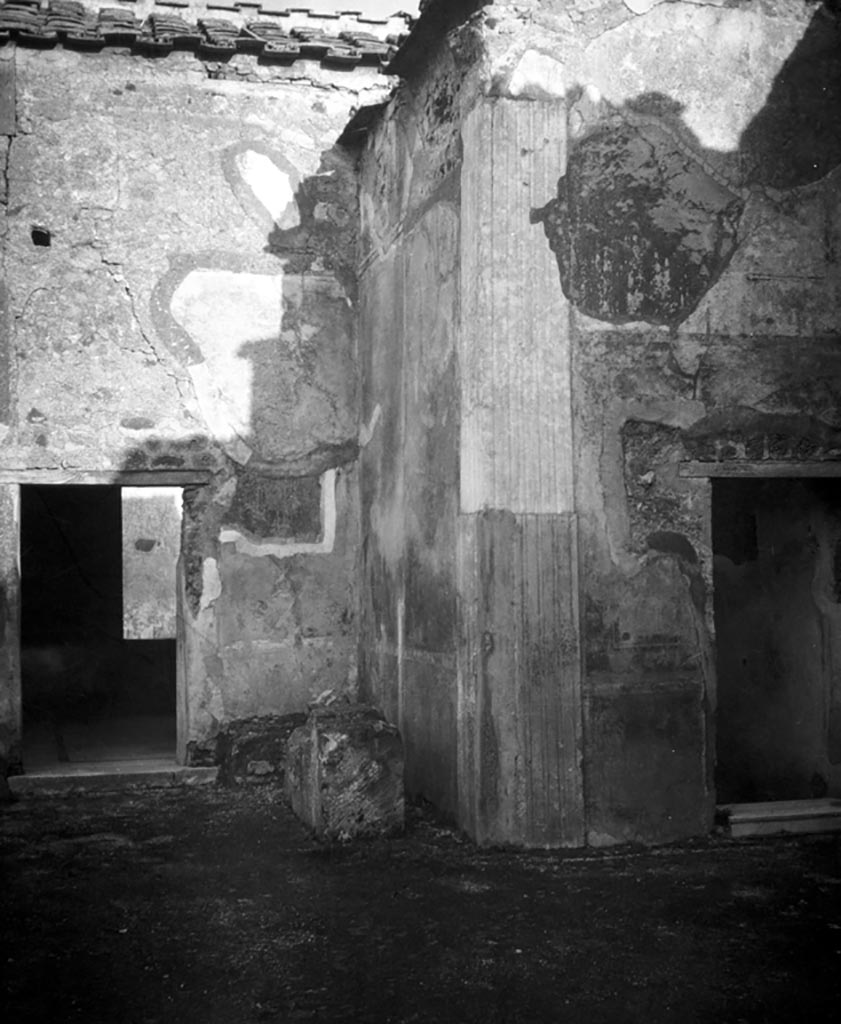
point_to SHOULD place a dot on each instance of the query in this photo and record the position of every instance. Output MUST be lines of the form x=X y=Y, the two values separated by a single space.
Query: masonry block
x=344 y=773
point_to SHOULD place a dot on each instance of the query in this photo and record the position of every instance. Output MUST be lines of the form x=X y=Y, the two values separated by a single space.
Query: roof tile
x=269 y=29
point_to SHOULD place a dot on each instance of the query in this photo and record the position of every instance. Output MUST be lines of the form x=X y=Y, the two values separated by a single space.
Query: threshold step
x=124 y=775
x=781 y=817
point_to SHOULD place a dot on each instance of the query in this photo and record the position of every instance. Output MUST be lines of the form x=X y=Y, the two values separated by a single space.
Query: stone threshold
x=780 y=817
x=111 y=775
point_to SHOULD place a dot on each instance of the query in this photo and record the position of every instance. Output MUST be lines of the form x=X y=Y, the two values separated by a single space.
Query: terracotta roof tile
x=269 y=29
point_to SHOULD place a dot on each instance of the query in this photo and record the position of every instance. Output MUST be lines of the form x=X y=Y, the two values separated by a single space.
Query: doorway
x=777 y=607
x=92 y=693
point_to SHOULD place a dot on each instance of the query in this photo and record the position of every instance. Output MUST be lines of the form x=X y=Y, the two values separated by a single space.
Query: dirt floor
x=215 y=906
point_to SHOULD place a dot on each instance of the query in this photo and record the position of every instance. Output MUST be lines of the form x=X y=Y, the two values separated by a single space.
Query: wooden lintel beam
x=760 y=469
x=119 y=478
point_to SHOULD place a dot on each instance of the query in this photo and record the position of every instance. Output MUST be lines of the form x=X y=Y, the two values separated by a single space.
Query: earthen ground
x=216 y=906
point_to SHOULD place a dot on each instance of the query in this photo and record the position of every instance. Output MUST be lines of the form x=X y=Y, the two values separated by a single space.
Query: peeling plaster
x=537 y=76
x=366 y=431
x=211 y=587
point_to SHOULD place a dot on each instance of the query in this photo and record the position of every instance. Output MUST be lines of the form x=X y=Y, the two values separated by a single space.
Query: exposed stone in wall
x=118 y=249
x=660 y=515
x=418 y=147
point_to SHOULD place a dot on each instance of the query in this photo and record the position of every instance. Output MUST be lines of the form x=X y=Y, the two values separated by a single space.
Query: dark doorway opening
x=89 y=696
x=777 y=580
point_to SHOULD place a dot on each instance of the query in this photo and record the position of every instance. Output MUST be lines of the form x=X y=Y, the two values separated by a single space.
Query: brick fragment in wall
x=640 y=229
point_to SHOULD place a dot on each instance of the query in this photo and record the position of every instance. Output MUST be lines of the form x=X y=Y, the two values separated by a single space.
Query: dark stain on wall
x=638 y=747
x=834 y=735
x=284 y=508
x=640 y=229
x=430 y=604
x=489 y=756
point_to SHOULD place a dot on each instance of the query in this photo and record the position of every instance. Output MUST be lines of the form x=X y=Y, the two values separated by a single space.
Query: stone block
x=344 y=773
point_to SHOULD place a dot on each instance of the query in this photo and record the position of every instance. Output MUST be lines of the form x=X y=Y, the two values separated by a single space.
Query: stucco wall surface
x=696 y=230
x=670 y=304
x=409 y=285
x=177 y=259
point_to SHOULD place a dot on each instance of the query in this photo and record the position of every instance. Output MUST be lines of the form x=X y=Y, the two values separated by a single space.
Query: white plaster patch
x=739 y=57
x=270 y=185
x=211 y=583
x=223 y=311
x=537 y=76
x=226 y=419
x=286 y=549
x=366 y=431
x=225 y=495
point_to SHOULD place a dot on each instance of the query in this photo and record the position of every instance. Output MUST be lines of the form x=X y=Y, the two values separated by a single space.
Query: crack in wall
x=7 y=161
x=20 y=315
x=114 y=268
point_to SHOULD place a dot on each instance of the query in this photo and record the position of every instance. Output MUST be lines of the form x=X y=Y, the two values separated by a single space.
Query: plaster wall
x=695 y=227
x=409 y=294
x=648 y=284
x=193 y=313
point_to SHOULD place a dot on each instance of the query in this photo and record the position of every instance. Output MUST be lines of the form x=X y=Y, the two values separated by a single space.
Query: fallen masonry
x=344 y=773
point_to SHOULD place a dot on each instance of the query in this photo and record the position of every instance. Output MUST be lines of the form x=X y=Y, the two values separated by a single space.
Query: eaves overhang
x=211 y=29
